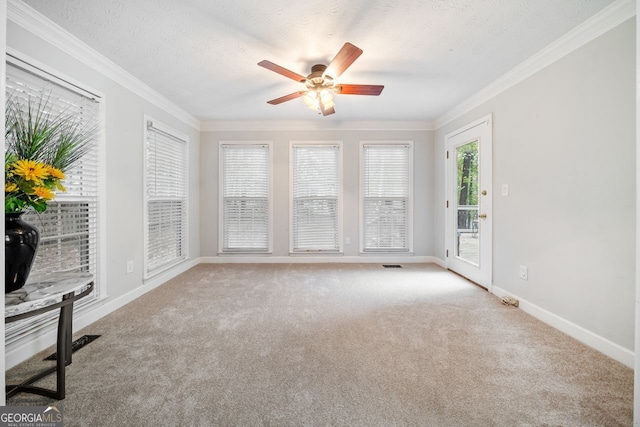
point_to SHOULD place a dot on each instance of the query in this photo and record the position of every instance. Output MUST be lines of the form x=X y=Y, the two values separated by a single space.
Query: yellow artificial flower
x=55 y=172
x=43 y=192
x=60 y=187
x=10 y=187
x=30 y=170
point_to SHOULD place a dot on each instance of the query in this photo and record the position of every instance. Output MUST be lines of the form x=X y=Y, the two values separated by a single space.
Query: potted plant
x=41 y=144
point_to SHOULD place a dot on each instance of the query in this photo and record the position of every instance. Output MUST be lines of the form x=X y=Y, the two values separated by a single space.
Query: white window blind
x=166 y=199
x=245 y=188
x=386 y=202
x=68 y=229
x=315 y=182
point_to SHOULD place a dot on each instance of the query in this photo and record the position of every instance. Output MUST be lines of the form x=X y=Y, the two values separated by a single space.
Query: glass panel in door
x=467 y=238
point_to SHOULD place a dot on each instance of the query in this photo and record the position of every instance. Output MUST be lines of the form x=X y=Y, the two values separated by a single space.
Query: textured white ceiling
x=429 y=54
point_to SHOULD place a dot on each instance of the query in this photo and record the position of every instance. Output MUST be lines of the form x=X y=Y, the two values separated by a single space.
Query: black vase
x=20 y=246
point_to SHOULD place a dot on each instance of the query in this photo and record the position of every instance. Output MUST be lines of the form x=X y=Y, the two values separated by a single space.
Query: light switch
x=505 y=189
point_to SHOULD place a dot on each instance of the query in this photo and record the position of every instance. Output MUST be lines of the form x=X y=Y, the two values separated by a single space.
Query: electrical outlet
x=524 y=273
x=505 y=189
x=129 y=267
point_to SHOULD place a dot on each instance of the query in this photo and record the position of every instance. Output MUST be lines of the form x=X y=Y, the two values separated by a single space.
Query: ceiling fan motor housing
x=316 y=79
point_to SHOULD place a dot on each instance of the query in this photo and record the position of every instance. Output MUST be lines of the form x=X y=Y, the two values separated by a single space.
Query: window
x=245 y=188
x=315 y=192
x=387 y=170
x=69 y=228
x=166 y=198
x=67 y=237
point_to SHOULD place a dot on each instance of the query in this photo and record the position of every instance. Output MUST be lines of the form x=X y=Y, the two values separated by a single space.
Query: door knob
x=483 y=216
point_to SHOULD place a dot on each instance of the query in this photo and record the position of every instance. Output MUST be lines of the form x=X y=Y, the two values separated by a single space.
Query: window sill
x=387 y=253
x=245 y=253
x=316 y=253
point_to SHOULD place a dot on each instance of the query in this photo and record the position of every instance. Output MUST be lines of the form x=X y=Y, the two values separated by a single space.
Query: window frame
x=410 y=201
x=182 y=138
x=221 y=250
x=339 y=211
x=17 y=332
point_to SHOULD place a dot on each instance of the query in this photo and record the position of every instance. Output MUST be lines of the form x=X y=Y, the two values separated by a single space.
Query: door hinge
x=447 y=154
x=447 y=203
x=447 y=253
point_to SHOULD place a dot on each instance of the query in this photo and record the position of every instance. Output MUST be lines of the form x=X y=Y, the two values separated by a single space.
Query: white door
x=468 y=201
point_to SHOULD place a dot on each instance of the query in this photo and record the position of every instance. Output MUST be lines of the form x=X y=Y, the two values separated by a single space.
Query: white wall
x=423 y=184
x=564 y=141
x=124 y=184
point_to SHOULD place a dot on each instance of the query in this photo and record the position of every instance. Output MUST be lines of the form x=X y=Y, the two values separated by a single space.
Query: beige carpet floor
x=332 y=344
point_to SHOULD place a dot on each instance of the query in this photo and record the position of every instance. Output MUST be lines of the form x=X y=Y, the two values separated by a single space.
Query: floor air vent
x=76 y=345
x=391 y=265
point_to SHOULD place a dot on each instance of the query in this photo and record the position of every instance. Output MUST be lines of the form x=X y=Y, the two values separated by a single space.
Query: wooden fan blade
x=286 y=98
x=326 y=112
x=282 y=71
x=345 y=89
x=343 y=60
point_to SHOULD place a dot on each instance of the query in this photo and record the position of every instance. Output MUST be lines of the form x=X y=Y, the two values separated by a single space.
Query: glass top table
x=42 y=293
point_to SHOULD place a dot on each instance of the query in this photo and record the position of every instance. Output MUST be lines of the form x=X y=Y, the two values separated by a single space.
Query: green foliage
x=467 y=158
x=41 y=145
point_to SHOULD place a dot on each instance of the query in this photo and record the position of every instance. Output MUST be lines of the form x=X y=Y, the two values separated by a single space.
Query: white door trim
x=482 y=130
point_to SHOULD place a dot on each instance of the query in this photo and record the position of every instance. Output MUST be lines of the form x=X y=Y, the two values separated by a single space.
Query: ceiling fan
x=321 y=83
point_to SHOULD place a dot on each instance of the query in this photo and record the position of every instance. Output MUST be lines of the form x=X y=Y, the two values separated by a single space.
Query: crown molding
x=607 y=19
x=306 y=125
x=34 y=22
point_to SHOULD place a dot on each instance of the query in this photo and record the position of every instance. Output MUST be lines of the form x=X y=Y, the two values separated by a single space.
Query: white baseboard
x=438 y=261
x=603 y=345
x=314 y=259
x=47 y=337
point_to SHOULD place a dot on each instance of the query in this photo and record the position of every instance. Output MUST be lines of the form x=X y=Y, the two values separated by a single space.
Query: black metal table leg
x=63 y=348
x=69 y=330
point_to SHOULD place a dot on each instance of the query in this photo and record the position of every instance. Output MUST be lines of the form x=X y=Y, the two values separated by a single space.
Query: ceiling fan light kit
x=320 y=89
x=321 y=82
